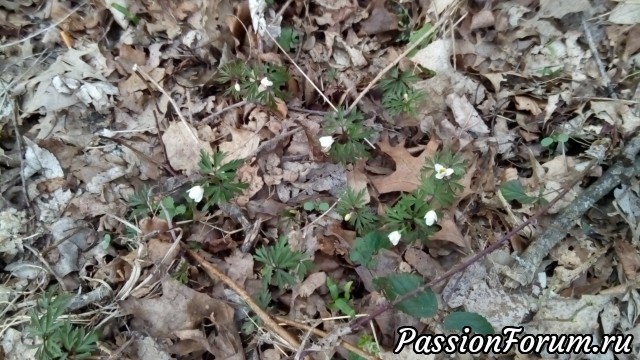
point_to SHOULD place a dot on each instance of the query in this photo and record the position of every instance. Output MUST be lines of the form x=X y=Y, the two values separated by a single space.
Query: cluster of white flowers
x=430 y=218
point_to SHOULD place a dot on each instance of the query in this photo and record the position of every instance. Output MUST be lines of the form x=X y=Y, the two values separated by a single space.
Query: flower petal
x=394 y=237
x=196 y=193
x=430 y=217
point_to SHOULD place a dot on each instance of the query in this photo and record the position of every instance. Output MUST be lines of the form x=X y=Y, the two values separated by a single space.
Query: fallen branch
x=269 y=323
x=628 y=165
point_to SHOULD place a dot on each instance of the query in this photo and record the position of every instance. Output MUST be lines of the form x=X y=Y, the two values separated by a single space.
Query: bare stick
x=594 y=51
x=525 y=269
x=212 y=118
x=269 y=323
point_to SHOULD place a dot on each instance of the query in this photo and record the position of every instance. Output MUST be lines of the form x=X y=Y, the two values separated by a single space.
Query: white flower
x=442 y=172
x=264 y=84
x=348 y=216
x=237 y=87
x=195 y=193
x=326 y=142
x=394 y=237
x=430 y=217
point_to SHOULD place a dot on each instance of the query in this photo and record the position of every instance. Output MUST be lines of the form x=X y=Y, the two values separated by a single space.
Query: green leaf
x=458 y=320
x=562 y=138
x=414 y=36
x=423 y=304
x=546 y=142
x=365 y=247
x=323 y=206
x=513 y=190
x=129 y=15
x=309 y=206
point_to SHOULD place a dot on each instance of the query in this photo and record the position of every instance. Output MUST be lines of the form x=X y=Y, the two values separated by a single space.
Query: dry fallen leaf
x=181 y=152
x=406 y=177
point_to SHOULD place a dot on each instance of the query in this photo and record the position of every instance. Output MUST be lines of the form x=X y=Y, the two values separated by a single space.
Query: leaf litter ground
x=105 y=109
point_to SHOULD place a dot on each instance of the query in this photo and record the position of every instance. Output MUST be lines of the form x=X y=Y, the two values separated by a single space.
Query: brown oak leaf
x=407 y=174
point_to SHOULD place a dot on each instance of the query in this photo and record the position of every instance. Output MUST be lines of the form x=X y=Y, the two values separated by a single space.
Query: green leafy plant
x=440 y=187
x=423 y=304
x=340 y=302
x=143 y=204
x=414 y=215
x=366 y=247
x=399 y=95
x=513 y=190
x=331 y=74
x=288 y=39
x=219 y=183
x=354 y=210
x=59 y=338
x=282 y=267
x=310 y=206
x=182 y=273
x=555 y=138
x=350 y=133
x=404 y=23
x=367 y=343
x=261 y=83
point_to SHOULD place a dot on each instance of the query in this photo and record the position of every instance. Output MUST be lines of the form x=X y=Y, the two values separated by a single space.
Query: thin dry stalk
x=175 y=106
x=269 y=323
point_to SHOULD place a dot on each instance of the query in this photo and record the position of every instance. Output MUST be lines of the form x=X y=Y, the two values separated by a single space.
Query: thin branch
x=212 y=118
x=594 y=51
x=269 y=323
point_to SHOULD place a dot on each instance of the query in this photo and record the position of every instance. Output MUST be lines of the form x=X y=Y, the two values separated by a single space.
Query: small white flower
x=237 y=87
x=442 y=172
x=326 y=142
x=264 y=84
x=196 y=193
x=430 y=217
x=394 y=237
x=348 y=216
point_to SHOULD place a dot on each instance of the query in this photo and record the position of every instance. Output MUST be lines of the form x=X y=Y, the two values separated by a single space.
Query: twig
x=417 y=43
x=307 y=111
x=80 y=301
x=175 y=106
x=269 y=323
x=211 y=118
x=73 y=11
x=345 y=344
x=524 y=270
x=276 y=139
x=594 y=51
x=22 y=153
